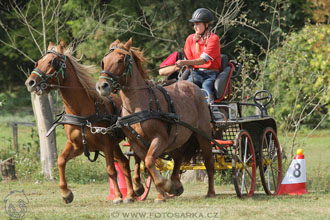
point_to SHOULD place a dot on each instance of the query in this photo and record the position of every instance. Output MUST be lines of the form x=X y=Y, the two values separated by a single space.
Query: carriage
x=247 y=141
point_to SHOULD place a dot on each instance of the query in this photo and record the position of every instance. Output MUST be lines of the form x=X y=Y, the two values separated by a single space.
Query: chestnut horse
x=59 y=69
x=152 y=136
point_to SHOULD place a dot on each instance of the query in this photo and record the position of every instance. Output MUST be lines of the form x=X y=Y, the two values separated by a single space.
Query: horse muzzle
x=33 y=86
x=104 y=88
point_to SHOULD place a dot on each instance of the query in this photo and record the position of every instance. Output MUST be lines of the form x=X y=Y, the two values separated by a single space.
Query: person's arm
x=166 y=71
x=198 y=61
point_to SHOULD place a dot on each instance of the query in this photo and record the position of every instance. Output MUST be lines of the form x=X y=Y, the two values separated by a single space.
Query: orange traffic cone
x=121 y=183
x=294 y=182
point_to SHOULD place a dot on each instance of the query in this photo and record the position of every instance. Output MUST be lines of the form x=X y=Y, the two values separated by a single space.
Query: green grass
x=90 y=203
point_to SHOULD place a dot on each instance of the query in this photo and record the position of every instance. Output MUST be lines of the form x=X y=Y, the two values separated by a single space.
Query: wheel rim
x=244 y=165
x=271 y=162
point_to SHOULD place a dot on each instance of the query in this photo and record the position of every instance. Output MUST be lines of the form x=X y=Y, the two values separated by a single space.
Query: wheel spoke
x=270 y=143
x=243 y=181
x=239 y=160
x=250 y=157
x=274 y=180
x=245 y=149
x=248 y=172
x=246 y=188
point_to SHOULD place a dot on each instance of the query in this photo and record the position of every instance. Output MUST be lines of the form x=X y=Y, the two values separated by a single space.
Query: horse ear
x=114 y=43
x=50 y=45
x=129 y=43
x=62 y=43
x=61 y=46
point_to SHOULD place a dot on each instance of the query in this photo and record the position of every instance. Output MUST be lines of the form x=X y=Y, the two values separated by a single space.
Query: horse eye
x=120 y=61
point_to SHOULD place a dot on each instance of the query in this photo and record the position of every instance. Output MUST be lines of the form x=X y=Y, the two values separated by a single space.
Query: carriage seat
x=221 y=82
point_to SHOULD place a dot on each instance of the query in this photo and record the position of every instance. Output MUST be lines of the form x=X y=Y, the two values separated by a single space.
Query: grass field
x=90 y=203
x=90 y=187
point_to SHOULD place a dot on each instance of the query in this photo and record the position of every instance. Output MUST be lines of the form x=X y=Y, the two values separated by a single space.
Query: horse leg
x=137 y=185
x=124 y=165
x=206 y=148
x=109 y=158
x=162 y=184
x=175 y=178
x=68 y=153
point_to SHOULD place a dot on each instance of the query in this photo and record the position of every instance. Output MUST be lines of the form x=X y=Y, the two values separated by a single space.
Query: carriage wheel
x=270 y=162
x=145 y=180
x=244 y=165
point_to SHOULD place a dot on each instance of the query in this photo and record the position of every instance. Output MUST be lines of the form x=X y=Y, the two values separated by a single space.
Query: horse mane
x=83 y=73
x=138 y=56
x=140 y=59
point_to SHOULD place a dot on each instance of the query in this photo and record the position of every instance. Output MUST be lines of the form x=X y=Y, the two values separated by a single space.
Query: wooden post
x=14 y=128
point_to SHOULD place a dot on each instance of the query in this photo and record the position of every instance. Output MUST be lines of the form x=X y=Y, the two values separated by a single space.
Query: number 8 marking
x=297 y=172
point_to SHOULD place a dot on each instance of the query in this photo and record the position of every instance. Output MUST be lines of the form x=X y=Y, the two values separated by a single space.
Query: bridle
x=112 y=78
x=58 y=63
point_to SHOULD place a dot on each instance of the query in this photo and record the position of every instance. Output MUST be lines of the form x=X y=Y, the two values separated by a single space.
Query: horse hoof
x=172 y=189
x=118 y=201
x=160 y=200
x=139 y=192
x=129 y=200
x=68 y=199
x=179 y=191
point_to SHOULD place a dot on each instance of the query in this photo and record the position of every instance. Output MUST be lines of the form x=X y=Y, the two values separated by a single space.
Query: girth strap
x=86 y=151
x=170 y=109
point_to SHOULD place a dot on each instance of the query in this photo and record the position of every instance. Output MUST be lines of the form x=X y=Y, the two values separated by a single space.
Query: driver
x=202 y=50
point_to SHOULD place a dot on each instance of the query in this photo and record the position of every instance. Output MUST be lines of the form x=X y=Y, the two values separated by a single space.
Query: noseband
x=58 y=63
x=112 y=78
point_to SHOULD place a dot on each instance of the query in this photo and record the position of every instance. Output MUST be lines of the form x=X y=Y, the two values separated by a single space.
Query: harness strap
x=170 y=109
x=134 y=118
x=137 y=117
x=86 y=151
x=81 y=121
x=144 y=142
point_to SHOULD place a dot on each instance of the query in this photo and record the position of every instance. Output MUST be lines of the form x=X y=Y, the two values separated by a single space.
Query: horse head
x=47 y=69
x=116 y=68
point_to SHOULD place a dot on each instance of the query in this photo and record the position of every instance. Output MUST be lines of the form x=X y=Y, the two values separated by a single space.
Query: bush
x=298 y=75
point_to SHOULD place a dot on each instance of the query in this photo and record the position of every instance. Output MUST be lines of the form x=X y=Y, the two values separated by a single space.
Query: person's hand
x=179 y=63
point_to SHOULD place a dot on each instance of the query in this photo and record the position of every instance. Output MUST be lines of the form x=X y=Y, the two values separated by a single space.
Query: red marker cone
x=294 y=182
x=121 y=183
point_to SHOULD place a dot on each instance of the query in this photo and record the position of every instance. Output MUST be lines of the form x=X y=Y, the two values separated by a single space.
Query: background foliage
x=299 y=76
x=268 y=36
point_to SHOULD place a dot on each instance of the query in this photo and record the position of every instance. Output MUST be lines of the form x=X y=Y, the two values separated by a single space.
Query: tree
x=298 y=75
x=27 y=27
